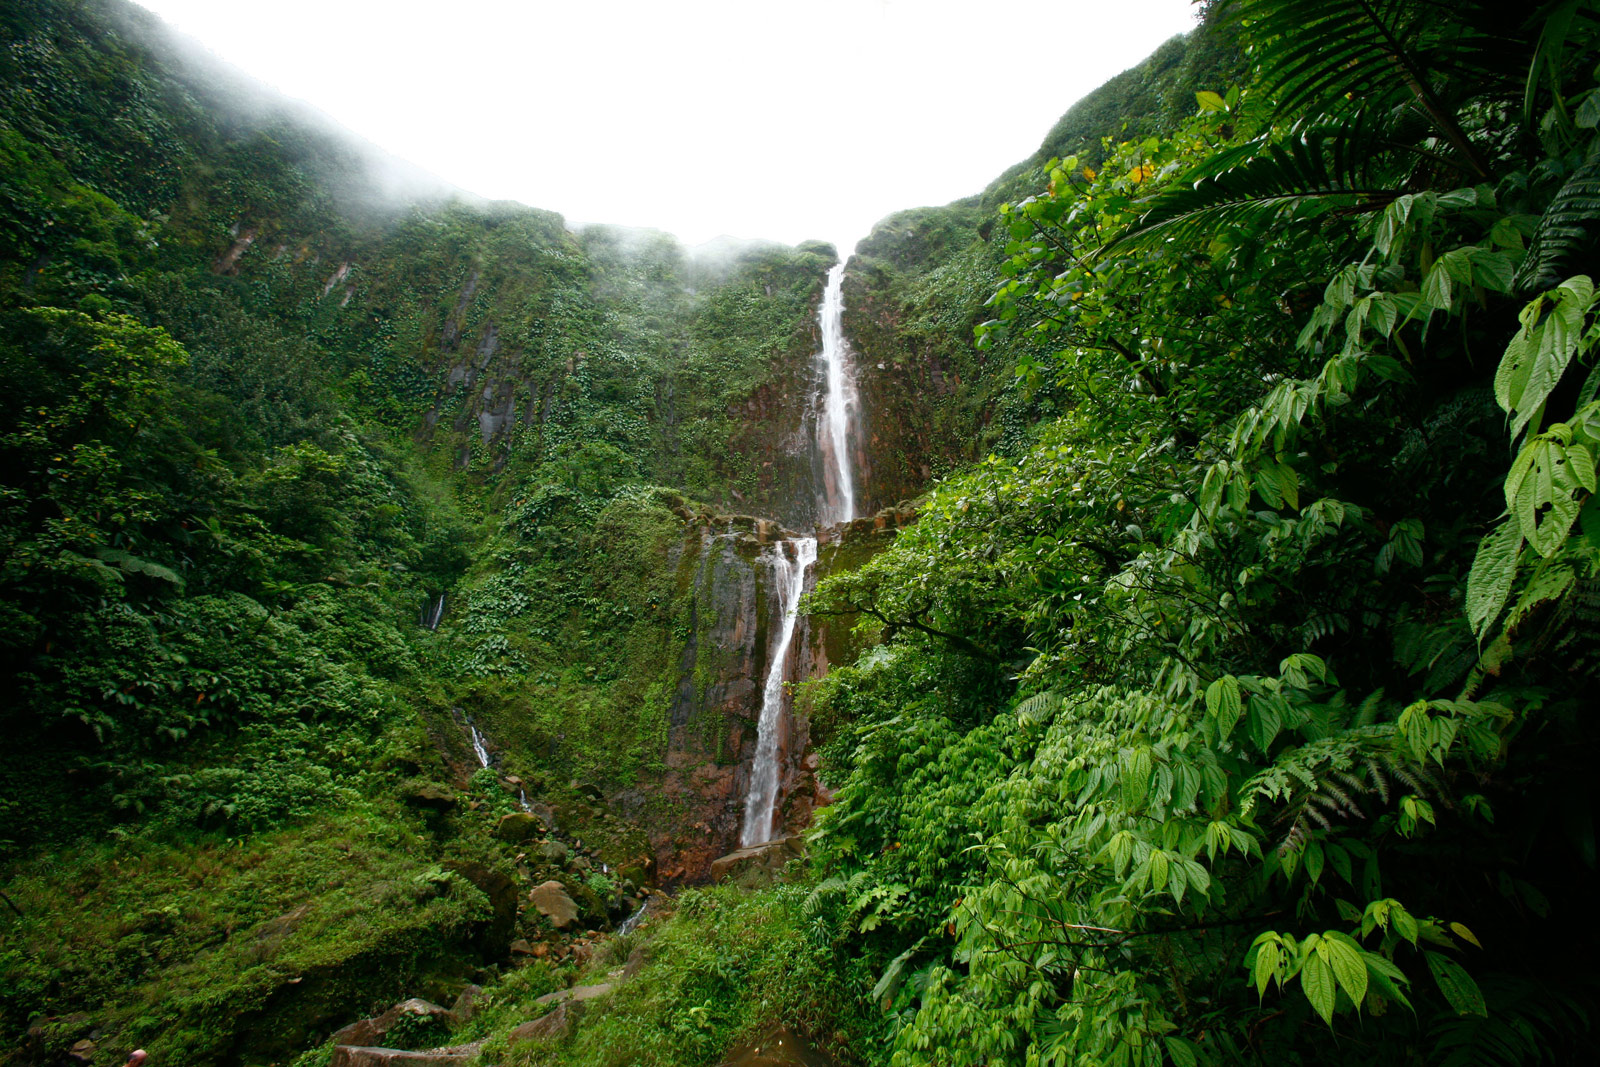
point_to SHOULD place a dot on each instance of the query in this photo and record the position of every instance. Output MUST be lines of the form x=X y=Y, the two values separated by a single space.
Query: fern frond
x=1563 y=229
x=1380 y=783
x=1038 y=707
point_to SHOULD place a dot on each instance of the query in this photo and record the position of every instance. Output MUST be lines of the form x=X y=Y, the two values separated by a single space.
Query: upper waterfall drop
x=837 y=499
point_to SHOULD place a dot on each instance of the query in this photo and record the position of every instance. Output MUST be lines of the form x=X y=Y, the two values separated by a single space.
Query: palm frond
x=1329 y=56
x=1323 y=168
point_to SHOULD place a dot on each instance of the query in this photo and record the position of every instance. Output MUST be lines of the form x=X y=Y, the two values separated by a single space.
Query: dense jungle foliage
x=239 y=462
x=1243 y=714
x=1234 y=707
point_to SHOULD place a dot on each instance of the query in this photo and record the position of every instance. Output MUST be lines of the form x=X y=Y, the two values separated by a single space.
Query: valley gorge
x=1143 y=612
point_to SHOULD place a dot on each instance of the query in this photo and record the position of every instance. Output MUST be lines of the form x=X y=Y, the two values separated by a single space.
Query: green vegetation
x=1227 y=701
x=720 y=969
x=1235 y=718
x=256 y=418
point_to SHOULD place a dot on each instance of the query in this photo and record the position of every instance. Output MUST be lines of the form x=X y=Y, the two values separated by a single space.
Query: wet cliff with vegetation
x=387 y=585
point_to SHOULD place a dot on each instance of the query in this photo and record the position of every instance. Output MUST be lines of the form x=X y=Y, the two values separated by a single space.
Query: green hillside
x=388 y=586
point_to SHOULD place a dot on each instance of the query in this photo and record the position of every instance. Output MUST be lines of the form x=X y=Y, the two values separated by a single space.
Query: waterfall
x=631 y=923
x=837 y=499
x=478 y=746
x=431 y=616
x=790 y=561
x=836 y=503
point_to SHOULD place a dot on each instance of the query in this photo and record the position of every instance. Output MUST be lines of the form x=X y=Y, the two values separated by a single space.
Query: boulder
x=371 y=1056
x=369 y=1032
x=429 y=795
x=544 y=813
x=554 y=904
x=757 y=865
x=517 y=827
x=551 y=1025
x=466 y=1003
x=552 y=851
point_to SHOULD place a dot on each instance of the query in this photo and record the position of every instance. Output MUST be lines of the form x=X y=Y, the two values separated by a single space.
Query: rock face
x=757 y=865
x=554 y=904
x=928 y=395
x=373 y=1030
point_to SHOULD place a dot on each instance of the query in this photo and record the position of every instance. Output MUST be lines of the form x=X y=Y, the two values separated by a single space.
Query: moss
x=237 y=951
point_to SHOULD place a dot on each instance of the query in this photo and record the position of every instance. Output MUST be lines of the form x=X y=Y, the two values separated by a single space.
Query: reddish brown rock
x=554 y=904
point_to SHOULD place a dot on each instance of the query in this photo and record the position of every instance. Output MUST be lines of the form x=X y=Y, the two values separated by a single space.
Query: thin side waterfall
x=432 y=615
x=838 y=497
x=790 y=562
x=480 y=748
x=631 y=923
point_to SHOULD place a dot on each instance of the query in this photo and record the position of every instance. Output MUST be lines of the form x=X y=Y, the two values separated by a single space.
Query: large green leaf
x=1315 y=170
x=1338 y=55
x=1493 y=571
x=1457 y=985
x=1316 y=978
x=1223 y=703
x=1542 y=490
x=1551 y=335
x=1344 y=958
x=1563 y=227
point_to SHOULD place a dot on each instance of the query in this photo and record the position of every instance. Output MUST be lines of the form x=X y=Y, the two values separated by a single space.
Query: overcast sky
x=785 y=119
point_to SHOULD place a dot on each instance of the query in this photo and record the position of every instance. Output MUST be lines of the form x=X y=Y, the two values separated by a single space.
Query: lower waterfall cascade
x=791 y=561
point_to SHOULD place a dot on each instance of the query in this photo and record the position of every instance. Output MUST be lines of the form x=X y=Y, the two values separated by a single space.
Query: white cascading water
x=839 y=488
x=792 y=559
x=431 y=616
x=479 y=748
x=790 y=562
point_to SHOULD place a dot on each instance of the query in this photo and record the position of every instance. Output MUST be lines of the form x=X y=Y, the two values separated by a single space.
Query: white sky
x=785 y=119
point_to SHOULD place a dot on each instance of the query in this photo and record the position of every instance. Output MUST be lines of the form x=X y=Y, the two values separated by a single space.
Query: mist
x=781 y=121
